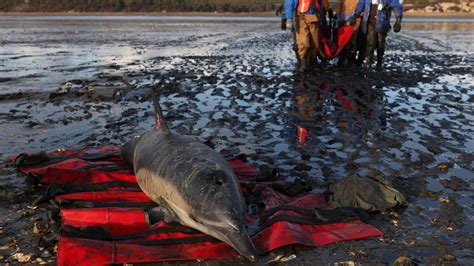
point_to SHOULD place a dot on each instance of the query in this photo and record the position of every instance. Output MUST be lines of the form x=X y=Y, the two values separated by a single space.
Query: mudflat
x=72 y=82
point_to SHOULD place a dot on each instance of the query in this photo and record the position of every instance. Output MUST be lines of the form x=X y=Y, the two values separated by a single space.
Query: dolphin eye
x=219 y=178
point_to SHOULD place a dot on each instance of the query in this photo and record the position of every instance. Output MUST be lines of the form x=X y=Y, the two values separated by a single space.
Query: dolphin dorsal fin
x=160 y=123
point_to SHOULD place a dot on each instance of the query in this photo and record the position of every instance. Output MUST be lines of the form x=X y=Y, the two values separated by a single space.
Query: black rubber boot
x=366 y=66
x=379 y=61
x=379 y=65
x=351 y=58
x=303 y=66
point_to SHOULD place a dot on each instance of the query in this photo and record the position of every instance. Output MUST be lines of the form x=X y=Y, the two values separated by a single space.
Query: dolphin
x=193 y=184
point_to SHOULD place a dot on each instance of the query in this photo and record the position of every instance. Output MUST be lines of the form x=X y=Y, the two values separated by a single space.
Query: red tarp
x=332 y=48
x=100 y=224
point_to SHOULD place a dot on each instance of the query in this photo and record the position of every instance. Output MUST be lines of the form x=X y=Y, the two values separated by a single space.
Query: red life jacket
x=305 y=5
x=103 y=213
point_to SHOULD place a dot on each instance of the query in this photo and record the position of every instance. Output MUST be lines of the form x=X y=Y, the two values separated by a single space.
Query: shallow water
x=84 y=81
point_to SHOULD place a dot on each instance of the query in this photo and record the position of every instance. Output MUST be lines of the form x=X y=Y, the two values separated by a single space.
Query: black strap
x=175 y=241
x=54 y=215
x=25 y=160
x=261 y=174
x=99 y=156
x=84 y=204
x=316 y=217
x=312 y=217
x=61 y=189
x=50 y=237
x=289 y=188
x=103 y=167
x=42 y=159
x=33 y=179
x=272 y=211
x=100 y=233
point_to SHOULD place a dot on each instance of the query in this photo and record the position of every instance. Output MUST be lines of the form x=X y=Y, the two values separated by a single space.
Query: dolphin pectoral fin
x=157 y=214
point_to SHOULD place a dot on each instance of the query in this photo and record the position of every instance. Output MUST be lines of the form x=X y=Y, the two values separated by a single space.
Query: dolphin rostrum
x=193 y=184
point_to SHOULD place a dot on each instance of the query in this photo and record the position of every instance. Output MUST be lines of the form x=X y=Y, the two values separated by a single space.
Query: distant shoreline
x=129 y=14
x=206 y=14
x=438 y=14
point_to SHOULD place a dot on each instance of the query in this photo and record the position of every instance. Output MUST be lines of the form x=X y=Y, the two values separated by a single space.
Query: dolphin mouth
x=238 y=240
x=232 y=233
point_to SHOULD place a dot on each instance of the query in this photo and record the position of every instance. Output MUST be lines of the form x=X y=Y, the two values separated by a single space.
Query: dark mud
x=71 y=84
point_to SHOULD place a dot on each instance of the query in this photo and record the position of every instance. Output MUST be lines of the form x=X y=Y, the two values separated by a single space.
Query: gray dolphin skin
x=193 y=184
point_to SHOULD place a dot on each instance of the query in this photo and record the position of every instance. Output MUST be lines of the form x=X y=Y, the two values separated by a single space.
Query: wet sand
x=71 y=83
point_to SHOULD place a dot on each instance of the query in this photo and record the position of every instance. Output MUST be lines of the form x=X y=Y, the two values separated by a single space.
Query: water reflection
x=324 y=111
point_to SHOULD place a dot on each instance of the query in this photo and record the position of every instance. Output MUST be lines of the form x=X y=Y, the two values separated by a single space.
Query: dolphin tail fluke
x=160 y=123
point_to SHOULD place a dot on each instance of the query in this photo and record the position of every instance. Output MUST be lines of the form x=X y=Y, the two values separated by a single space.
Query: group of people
x=370 y=20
